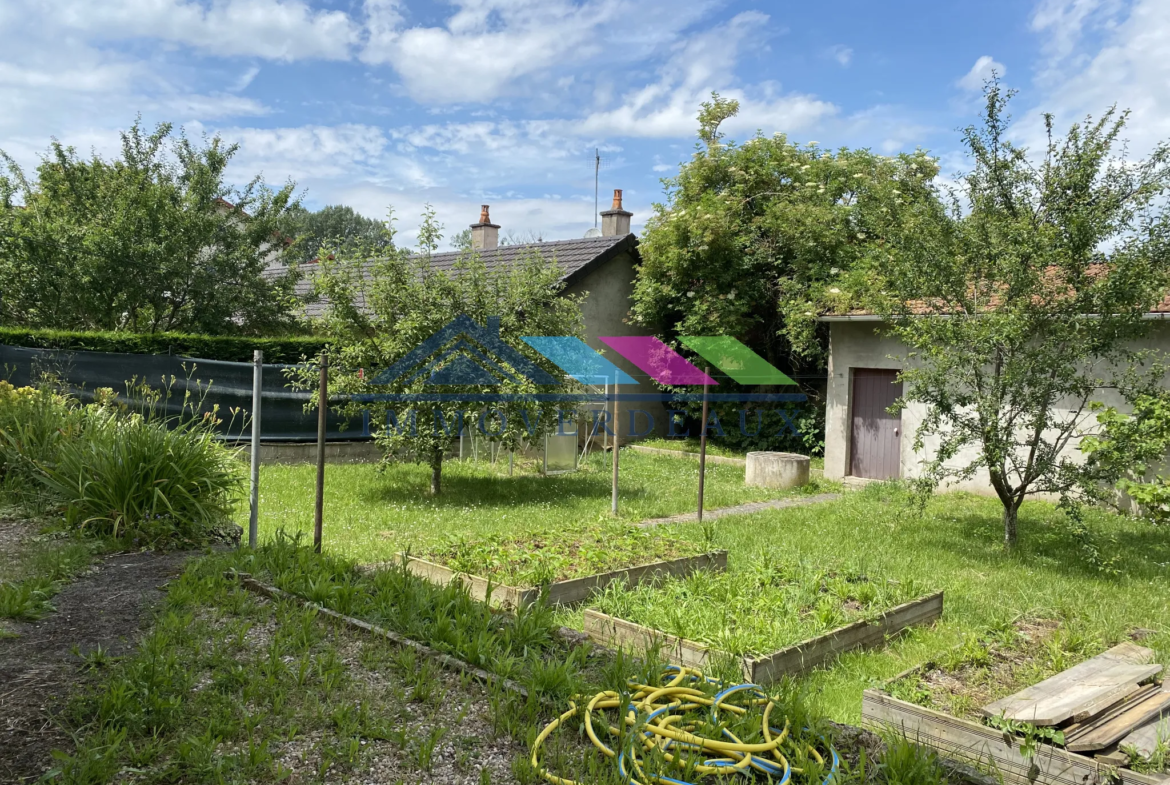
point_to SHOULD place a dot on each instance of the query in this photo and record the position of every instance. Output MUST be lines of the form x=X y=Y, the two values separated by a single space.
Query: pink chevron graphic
x=663 y=364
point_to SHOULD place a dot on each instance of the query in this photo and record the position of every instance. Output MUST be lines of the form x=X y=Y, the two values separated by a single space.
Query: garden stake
x=616 y=428
x=322 y=398
x=254 y=501
x=703 y=448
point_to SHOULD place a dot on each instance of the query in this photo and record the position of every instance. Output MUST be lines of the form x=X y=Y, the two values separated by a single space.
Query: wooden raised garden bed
x=1079 y=725
x=990 y=748
x=566 y=592
x=790 y=661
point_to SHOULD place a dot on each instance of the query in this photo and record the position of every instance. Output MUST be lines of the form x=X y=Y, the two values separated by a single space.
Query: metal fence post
x=703 y=448
x=322 y=411
x=254 y=502
x=616 y=431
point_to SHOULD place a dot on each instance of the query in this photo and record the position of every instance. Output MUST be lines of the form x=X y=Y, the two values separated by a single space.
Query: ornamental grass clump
x=136 y=472
x=34 y=422
x=131 y=476
x=117 y=468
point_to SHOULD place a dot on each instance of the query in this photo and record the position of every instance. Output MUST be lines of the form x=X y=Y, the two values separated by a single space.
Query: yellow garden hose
x=662 y=718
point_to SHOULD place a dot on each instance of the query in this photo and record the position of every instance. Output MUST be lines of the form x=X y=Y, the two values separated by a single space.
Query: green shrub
x=115 y=468
x=33 y=425
x=131 y=475
x=231 y=348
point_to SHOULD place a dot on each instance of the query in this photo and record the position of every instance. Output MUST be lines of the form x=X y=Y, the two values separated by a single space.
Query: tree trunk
x=436 y=472
x=1010 y=515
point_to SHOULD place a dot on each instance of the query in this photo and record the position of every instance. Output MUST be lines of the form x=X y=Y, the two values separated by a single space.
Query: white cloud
x=272 y=29
x=310 y=151
x=703 y=63
x=97 y=79
x=245 y=79
x=498 y=154
x=1129 y=68
x=487 y=47
x=214 y=106
x=1063 y=22
x=666 y=107
x=982 y=71
x=841 y=53
x=72 y=89
x=475 y=56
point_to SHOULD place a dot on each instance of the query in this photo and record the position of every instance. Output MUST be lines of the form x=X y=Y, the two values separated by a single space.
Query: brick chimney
x=616 y=221
x=485 y=235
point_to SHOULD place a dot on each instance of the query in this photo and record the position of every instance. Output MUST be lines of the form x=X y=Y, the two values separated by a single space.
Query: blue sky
x=394 y=102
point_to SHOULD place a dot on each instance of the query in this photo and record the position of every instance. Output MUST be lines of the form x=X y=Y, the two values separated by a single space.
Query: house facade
x=601 y=267
x=863 y=440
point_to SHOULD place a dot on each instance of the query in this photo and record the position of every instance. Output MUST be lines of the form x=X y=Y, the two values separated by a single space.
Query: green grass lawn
x=691 y=444
x=956 y=546
x=370 y=515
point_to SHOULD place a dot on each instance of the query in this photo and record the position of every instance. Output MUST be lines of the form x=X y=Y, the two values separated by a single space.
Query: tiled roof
x=924 y=307
x=575 y=257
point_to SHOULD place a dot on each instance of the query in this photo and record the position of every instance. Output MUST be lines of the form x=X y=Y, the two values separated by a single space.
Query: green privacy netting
x=283 y=417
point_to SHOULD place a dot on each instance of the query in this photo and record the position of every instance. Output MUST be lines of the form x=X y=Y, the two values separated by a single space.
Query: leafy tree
x=1021 y=294
x=462 y=240
x=380 y=306
x=1128 y=452
x=336 y=223
x=750 y=235
x=753 y=236
x=154 y=240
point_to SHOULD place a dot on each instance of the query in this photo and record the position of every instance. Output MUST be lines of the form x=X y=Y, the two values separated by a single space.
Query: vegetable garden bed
x=969 y=685
x=775 y=619
x=1012 y=760
x=985 y=668
x=566 y=566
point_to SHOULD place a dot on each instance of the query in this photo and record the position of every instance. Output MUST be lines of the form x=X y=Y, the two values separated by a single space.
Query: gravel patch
x=453 y=721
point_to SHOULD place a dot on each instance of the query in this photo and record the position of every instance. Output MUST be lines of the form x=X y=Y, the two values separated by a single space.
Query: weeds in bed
x=537 y=558
x=759 y=609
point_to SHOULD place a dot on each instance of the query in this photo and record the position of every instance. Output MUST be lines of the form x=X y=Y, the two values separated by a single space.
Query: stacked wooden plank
x=1106 y=705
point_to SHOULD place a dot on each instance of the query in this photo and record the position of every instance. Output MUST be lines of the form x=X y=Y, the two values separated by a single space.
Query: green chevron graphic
x=735 y=359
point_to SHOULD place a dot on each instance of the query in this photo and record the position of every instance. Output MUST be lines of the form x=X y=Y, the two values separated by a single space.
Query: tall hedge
x=288 y=349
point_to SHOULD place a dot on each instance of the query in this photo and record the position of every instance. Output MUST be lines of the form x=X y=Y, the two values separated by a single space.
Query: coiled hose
x=664 y=717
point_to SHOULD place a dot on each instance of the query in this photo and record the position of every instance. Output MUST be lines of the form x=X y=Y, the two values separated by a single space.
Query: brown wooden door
x=876 y=435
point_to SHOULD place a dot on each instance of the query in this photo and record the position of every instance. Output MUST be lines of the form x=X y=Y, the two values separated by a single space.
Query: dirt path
x=107 y=607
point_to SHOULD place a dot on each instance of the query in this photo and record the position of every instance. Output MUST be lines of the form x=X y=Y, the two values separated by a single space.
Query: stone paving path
x=744 y=509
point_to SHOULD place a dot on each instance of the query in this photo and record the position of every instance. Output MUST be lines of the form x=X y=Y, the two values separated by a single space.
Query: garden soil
x=108 y=607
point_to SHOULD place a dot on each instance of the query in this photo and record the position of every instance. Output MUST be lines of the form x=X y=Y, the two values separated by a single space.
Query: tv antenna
x=598 y=163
